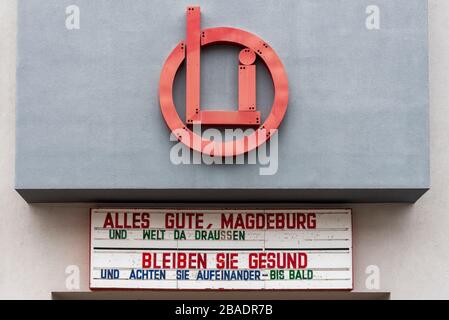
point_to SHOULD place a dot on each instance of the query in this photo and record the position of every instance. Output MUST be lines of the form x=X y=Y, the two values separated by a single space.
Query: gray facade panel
x=89 y=124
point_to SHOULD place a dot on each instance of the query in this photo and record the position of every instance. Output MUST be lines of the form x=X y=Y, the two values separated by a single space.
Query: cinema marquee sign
x=221 y=249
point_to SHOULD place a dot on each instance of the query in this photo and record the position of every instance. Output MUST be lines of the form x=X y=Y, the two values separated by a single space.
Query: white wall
x=409 y=243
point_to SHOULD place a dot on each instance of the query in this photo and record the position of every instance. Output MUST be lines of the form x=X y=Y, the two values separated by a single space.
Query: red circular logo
x=247 y=114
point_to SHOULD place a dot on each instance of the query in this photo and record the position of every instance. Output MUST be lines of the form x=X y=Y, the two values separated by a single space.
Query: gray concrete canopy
x=89 y=126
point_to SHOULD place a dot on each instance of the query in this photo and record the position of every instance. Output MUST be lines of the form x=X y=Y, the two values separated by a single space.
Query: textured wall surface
x=407 y=242
x=88 y=114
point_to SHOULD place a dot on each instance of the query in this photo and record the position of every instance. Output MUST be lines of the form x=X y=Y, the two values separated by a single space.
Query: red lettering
x=117 y=224
x=166 y=260
x=277 y=260
x=252 y=261
x=250 y=221
x=146 y=260
x=145 y=220
x=184 y=220
x=181 y=260
x=301 y=221
x=239 y=222
x=169 y=220
x=125 y=224
x=199 y=221
x=269 y=221
x=227 y=222
x=108 y=221
x=311 y=221
x=136 y=220
x=202 y=261
x=279 y=221
x=227 y=260
x=260 y=222
x=220 y=261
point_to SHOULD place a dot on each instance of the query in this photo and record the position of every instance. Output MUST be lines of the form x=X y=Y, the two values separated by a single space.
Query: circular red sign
x=247 y=143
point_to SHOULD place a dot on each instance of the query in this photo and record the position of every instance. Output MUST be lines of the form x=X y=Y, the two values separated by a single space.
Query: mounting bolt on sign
x=247 y=114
